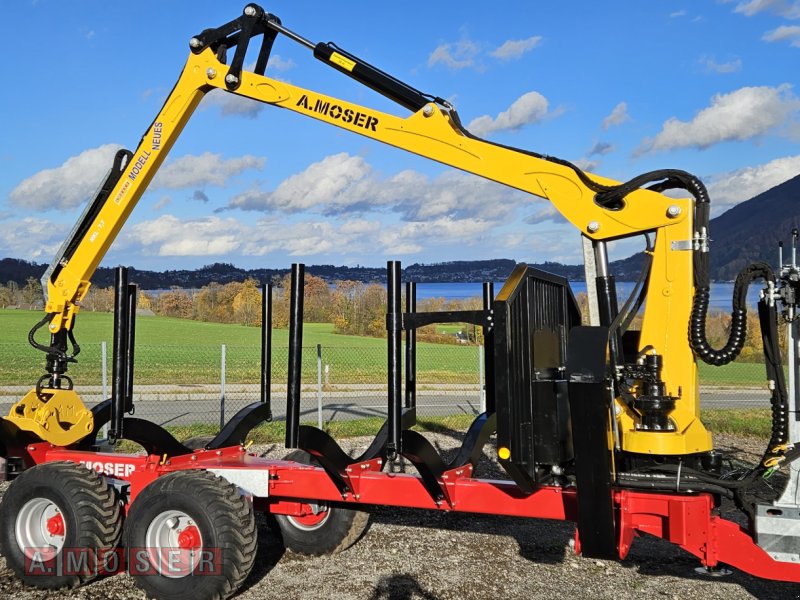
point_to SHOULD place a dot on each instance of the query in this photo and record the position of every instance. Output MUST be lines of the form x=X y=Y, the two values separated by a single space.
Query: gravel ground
x=409 y=554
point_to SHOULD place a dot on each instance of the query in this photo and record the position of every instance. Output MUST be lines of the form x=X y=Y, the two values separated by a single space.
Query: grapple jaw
x=53 y=415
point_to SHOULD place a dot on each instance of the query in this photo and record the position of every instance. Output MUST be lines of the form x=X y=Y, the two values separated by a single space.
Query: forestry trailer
x=594 y=423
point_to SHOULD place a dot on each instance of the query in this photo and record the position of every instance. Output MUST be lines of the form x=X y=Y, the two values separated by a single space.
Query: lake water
x=721 y=293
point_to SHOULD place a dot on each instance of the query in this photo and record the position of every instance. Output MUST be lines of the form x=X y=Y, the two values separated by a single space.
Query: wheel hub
x=174 y=544
x=40 y=528
x=55 y=525
x=189 y=538
x=314 y=519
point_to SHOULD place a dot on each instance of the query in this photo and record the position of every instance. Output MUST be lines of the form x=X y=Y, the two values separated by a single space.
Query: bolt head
x=194 y=43
x=211 y=73
x=52 y=326
x=230 y=78
x=250 y=10
x=593 y=227
x=673 y=211
x=428 y=110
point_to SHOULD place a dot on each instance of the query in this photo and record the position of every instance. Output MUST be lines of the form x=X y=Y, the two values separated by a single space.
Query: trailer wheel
x=59 y=523
x=190 y=535
x=328 y=530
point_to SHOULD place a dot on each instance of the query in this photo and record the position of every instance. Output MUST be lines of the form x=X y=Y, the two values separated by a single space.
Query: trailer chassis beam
x=686 y=520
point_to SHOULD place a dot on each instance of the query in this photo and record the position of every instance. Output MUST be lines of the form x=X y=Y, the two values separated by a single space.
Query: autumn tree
x=144 y=302
x=99 y=299
x=247 y=304
x=6 y=297
x=358 y=309
x=316 y=299
x=174 y=303
x=32 y=292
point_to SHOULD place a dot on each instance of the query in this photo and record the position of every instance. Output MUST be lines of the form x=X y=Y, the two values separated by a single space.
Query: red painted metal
x=55 y=525
x=189 y=538
x=687 y=521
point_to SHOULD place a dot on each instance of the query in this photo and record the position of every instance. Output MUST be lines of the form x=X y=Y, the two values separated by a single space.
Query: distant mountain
x=748 y=232
x=12 y=269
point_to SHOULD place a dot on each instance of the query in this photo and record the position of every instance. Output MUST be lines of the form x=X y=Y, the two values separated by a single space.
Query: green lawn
x=184 y=351
x=734 y=374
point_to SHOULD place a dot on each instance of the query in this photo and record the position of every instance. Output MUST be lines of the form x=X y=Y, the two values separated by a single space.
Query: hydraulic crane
x=594 y=423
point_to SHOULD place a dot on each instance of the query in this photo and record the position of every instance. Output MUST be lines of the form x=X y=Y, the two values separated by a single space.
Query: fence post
x=222 y=389
x=104 y=371
x=482 y=383
x=319 y=385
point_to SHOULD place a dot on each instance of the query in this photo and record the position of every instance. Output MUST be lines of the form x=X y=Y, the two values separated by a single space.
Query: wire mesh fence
x=204 y=384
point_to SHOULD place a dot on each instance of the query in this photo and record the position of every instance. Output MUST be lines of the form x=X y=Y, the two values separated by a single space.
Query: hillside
x=750 y=231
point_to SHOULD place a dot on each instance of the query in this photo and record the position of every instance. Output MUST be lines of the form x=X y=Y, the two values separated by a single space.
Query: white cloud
x=169 y=236
x=328 y=182
x=458 y=55
x=342 y=183
x=789 y=9
x=162 y=202
x=710 y=65
x=789 y=33
x=743 y=114
x=413 y=237
x=511 y=49
x=547 y=213
x=205 y=169
x=728 y=189
x=31 y=238
x=618 y=116
x=71 y=184
x=276 y=63
x=67 y=186
x=677 y=13
x=211 y=236
x=527 y=109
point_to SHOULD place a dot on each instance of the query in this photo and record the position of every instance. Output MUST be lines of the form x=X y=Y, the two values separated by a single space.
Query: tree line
x=353 y=307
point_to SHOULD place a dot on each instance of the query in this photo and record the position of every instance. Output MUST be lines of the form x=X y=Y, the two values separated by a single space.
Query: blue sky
x=620 y=87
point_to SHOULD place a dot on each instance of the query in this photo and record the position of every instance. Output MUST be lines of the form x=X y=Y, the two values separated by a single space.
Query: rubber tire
x=225 y=520
x=344 y=526
x=89 y=506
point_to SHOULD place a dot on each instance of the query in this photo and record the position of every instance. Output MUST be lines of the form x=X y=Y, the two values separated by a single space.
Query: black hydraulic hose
x=767 y=315
x=666 y=483
x=695 y=474
x=697 y=324
x=623 y=320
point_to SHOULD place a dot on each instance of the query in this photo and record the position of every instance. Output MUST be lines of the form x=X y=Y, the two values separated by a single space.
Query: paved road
x=200 y=405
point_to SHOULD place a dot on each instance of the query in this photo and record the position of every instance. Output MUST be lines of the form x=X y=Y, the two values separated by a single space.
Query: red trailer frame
x=689 y=521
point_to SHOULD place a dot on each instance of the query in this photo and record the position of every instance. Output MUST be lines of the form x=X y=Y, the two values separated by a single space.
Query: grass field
x=183 y=351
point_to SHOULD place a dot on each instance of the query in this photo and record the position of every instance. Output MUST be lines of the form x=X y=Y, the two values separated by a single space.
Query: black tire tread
x=355 y=522
x=95 y=502
x=232 y=515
